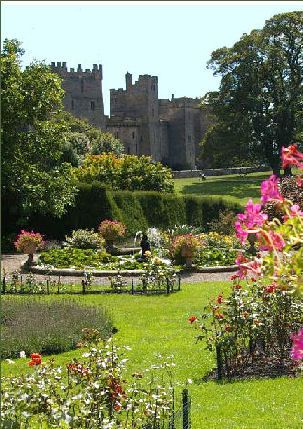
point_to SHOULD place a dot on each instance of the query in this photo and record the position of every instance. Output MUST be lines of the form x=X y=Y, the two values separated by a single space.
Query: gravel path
x=11 y=263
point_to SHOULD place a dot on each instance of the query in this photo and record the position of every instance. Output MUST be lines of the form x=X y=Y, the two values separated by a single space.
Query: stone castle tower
x=167 y=130
x=83 y=92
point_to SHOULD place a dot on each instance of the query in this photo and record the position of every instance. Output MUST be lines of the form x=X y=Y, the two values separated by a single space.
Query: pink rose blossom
x=270 y=190
x=297 y=347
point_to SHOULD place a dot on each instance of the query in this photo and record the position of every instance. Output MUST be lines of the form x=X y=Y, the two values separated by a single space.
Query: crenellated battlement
x=61 y=68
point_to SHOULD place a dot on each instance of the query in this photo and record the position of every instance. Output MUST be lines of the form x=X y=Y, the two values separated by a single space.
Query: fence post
x=47 y=287
x=185 y=409
x=83 y=286
x=132 y=286
x=3 y=285
x=219 y=361
x=179 y=282
x=167 y=286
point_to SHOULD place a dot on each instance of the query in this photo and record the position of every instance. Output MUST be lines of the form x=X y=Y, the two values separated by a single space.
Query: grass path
x=150 y=325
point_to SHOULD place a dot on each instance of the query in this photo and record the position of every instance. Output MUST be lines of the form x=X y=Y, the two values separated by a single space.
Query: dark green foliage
x=132 y=214
x=162 y=210
x=259 y=103
x=137 y=210
x=194 y=210
x=94 y=203
x=36 y=326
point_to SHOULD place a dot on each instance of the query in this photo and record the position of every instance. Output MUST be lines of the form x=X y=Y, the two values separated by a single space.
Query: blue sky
x=171 y=40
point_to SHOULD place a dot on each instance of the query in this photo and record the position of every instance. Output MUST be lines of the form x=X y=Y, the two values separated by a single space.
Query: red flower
x=271 y=288
x=220 y=299
x=192 y=319
x=36 y=359
x=291 y=156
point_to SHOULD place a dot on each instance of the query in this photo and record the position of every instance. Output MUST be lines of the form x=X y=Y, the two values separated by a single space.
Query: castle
x=167 y=130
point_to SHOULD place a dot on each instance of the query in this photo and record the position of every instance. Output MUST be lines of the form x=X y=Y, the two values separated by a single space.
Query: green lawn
x=150 y=325
x=234 y=188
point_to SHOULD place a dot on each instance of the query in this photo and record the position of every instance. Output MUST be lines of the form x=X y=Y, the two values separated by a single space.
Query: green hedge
x=93 y=204
x=161 y=209
x=137 y=210
x=130 y=211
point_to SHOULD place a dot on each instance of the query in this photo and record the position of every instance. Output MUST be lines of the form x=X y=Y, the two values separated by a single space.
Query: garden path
x=12 y=262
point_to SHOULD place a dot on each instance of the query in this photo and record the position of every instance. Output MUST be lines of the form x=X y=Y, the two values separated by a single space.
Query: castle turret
x=83 y=92
x=128 y=80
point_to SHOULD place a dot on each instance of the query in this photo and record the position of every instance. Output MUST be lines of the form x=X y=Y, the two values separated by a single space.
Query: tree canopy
x=34 y=177
x=260 y=99
x=82 y=138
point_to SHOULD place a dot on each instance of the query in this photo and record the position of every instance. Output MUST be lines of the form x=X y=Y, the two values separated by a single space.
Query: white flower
x=22 y=354
x=9 y=361
x=86 y=354
x=189 y=381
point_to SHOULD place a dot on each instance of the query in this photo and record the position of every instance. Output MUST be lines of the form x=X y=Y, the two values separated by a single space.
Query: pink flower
x=270 y=190
x=270 y=240
x=291 y=156
x=299 y=180
x=246 y=266
x=297 y=347
x=294 y=211
x=249 y=221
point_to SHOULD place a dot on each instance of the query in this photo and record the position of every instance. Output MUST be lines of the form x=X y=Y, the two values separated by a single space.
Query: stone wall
x=184 y=174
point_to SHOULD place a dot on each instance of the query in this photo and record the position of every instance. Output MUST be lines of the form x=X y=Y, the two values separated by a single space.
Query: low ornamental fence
x=28 y=284
x=178 y=416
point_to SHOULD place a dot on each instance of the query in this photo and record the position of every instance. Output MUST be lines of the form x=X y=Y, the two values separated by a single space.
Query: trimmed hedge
x=137 y=210
x=130 y=211
x=93 y=204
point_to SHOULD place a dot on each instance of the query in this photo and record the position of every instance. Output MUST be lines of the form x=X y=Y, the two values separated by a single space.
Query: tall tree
x=261 y=92
x=34 y=178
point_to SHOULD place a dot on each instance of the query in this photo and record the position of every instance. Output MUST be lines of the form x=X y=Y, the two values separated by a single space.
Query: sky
x=171 y=40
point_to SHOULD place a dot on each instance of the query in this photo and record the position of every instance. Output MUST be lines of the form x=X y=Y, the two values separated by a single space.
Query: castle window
x=153 y=113
x=153 y=87
x=116 y=134
x=73 y=105
x=133 y=135
x=128 y=150
x=92 y=105
x=82 y=85
x=189 y=138
x=136 y=148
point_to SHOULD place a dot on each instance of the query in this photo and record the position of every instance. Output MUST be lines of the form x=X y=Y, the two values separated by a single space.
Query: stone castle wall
x=83 y=92
x=167 y=130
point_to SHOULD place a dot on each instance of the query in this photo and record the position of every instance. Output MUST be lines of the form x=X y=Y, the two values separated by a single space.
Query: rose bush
x=90 y=392
x=256 y=322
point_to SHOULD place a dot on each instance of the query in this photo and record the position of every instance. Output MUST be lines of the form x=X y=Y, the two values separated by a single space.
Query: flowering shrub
x=184 y=245
x=128 y=172
x=90 y=392
x=255 y=323
x=84 y=239
x=111 y=229
x=28 y=242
